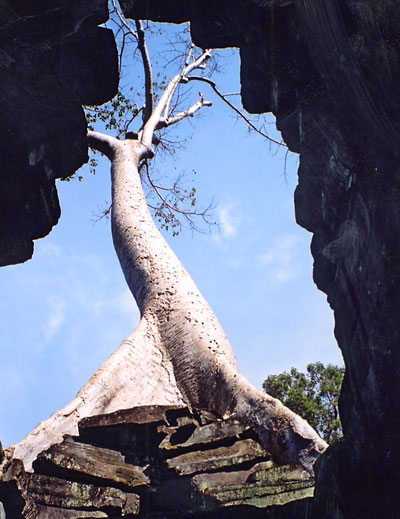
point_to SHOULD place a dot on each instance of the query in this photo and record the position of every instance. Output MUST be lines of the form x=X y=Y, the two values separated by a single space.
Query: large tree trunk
x=179 y=352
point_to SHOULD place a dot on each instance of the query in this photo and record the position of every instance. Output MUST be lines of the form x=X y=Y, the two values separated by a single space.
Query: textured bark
x=179 y=352
x=204 y=364
x=330 y=70
x=138 y=373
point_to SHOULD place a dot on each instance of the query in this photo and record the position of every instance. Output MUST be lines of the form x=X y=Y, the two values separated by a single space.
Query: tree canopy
x=314 y=395
x=145 y=53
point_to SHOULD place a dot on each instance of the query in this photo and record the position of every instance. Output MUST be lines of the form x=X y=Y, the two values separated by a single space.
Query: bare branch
x=167 y=104
x=128 y=123
x=173 y=119
x=140 y=37
x=124 y=21
x=148 y=73
x=196 y=64
x=167 y=210
x=166 y=97
x=233 y=107
x=121 y=52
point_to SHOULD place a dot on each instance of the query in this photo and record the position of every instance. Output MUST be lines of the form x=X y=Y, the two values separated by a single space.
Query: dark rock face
x=329 y=70
x=53 y=59
x=347 y=196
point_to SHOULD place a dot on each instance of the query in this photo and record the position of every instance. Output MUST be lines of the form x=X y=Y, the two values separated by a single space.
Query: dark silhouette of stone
x=152 y=462
x=329 y=71
x=53 y=59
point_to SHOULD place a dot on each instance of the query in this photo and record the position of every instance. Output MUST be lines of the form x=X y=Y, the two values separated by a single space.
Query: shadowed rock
x=158 y=461
x=329 y=71
x=53 y=59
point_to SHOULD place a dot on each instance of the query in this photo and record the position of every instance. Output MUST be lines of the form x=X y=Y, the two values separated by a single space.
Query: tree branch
x=233 y=107
x=148 y=73
x=140 y=37
x=166 y=97
x=164 y=123
x=167 y=209
x=124 y=21
x=121 y=52
x=187 y=61
x=103 y=143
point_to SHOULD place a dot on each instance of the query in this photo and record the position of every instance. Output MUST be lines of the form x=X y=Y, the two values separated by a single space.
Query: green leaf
x=313 y=395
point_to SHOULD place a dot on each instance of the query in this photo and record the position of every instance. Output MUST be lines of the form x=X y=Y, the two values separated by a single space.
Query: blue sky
x=66 y=310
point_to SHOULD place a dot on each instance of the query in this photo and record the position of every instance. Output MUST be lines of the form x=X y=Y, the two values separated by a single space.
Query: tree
x=179 y=353
x=314 y=395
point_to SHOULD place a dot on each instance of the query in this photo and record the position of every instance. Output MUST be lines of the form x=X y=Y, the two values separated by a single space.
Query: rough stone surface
x=72 y=456
x=53 y=59
x=329 y=71
x=174 y=463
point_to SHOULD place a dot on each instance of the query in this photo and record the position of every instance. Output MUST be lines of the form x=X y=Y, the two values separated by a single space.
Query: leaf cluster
x=166 y=212
x=313 y=395
x=116 y=115
x=171 y=202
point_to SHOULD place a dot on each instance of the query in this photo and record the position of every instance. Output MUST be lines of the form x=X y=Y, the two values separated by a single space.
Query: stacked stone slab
x=151 y=462
x=329 y=70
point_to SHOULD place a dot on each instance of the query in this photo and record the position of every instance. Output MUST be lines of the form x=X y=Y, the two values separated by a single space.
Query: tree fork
x=179 y=343
x=179 y=353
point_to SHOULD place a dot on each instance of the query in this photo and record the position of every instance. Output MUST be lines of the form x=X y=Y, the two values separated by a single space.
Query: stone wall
x=156 y=462
x=53 y=59
x=330 y=72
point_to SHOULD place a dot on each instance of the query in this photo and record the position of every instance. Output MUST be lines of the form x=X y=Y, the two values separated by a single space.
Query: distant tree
x=314 y=395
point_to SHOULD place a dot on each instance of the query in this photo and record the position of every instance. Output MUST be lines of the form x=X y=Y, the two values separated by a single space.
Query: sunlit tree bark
x=179 y=353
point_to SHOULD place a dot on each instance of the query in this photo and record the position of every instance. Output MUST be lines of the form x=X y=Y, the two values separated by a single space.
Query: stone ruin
x=329 y=71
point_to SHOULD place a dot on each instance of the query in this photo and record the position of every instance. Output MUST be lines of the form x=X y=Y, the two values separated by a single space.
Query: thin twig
x=124 y=21
x=173 y=209
x=121 y=52
x=166 y=97
x=233 y=107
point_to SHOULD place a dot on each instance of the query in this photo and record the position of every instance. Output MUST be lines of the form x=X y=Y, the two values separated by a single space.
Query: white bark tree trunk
x=179 y=352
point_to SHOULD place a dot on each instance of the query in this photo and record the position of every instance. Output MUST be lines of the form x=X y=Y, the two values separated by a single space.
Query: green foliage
x=116 y=115
x=313 y=395
x=171 y=201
